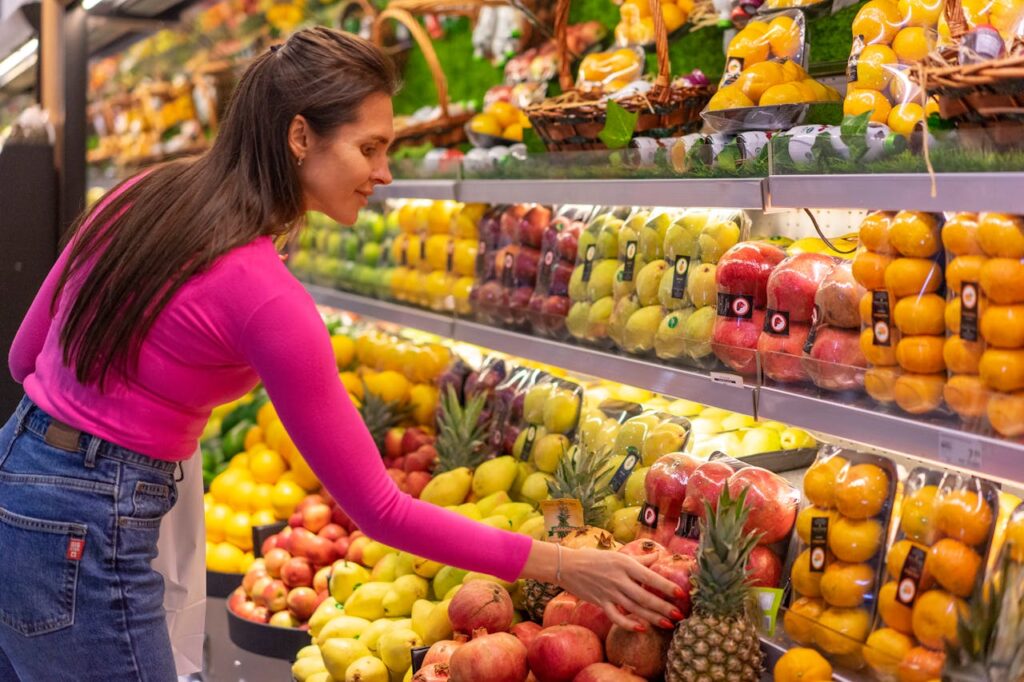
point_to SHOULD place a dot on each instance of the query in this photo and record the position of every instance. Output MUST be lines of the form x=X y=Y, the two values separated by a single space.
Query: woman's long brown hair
x=133 y=254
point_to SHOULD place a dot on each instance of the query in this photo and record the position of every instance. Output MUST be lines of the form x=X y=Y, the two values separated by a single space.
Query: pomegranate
x=705 y=485
x=490 y=658
x=641 y=548
x=559 y=653
x=441 y=652
x=665 y=486
x=592 y=617
x=481 y=604
x=559 y=610
x=589 y=537
x=606 y=672
x=435 y=672
x=683 y=546
x=764 y=568
x=525 y=632
x=677 y=569
x=642 y=652
x=772 y=502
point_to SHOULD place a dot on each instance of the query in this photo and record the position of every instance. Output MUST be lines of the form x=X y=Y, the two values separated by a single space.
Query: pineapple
x=380 y=416
x=719 y=640
x=460 y=432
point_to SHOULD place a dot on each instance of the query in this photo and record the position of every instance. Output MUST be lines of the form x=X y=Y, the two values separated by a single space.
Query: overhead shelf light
x=24 y=55
x=89 y=4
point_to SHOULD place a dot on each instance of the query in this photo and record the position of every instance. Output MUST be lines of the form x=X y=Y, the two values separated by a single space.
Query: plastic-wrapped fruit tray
x=221 y=585
x=782 y=461
x=484 y=141
x=266 y=640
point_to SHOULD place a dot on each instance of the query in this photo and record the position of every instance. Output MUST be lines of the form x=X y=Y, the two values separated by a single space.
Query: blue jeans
x=79 y=521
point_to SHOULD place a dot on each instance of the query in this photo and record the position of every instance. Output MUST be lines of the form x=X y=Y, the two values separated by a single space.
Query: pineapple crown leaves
x=722 y=582
x=579 y=476
x=460 y=432
x=381 y=415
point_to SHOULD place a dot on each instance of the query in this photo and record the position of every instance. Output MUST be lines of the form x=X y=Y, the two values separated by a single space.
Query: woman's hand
x=616 y=582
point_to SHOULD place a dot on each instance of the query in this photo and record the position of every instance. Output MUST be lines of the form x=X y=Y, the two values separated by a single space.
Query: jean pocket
x=152 y=500
x=39 y=572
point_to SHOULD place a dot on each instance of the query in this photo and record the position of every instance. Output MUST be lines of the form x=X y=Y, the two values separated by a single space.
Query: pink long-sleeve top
x=247 y=319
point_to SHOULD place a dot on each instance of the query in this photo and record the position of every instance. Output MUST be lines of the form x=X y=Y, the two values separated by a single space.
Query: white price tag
x=727 y=378
x=960 y=452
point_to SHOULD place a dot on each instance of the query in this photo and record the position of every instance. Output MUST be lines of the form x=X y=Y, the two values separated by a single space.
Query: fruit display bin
x=221 y=585
x=266 y=640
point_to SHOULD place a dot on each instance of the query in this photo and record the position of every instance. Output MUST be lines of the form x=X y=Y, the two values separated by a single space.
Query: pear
x=684 y=408
x=548 y=452
x=469 y=509
x=633 y=433
x=535 y=487
x=498 y=521
x=590 y=425
x=368 y=601
x=421 y=608
x=327 y=610
x=577 y=287
x=608 y=238
x=638 y=337
x=576 y=320
x=367 y=669
x=384 y=570
x=403 y=566
x=426 y=568
x=648 y=282
x=652 y=236
x=597 y=318
x=587 y=239
x=487 y=503
x=701 y=286
x=310 y=651
x=670 y=339
x=394 y=646
x=624 y=524
x=535 y=528
x=516 y=512
x=623 y=287
x=375 y=551
x=433 y=625
x=304 y=668
x=697 y=330
x=716 y=239
x=475 y=575
x=533 y=403
x=760 y=440
x=446 y=579
x=602 y=279
x=681 y=240
x=371 y=635
x=666 y=295
x=665 y=438
x=624 y=308
x=793 y=439
x=738 y=421
x=452 y=592
x=403 y=594
x=342 y=626
x=448 y=488
x=341 y=652
x=524 y=470
x=703 y=426
x=493 y=476
x=345 y=577
x=561 y=411
x=609 y=432
x=524 y=439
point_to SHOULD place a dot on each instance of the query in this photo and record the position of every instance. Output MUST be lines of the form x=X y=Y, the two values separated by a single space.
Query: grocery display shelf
x=442 y=325
x=681 y=192
x=899 y=191
x=417 y=189
x=774 y=650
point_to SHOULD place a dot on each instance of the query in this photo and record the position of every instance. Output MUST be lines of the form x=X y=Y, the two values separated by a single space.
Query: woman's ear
x=299 y=138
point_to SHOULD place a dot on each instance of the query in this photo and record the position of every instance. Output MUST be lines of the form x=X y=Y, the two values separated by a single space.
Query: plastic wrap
x=608 y=72
x=742 y=282
x=550 y=302
x=636 y=26
x=838 y=557
x=778 y=37
x=498 y=231
x=593 y=279
x=833 y=357
x=945 y=533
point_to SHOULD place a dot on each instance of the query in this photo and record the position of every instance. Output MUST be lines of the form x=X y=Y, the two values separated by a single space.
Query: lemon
x=286 y=496
x=750 y=44
x=220 y=486
x=344 y=350
x=263 y=517
x=253 y=437
x=513 y=132
x=267 y=466
x=248 y=559
x=505 y=113
x=877 y=21
x=859 y=101
x=265 y=415
x=757 y=78
x=793 y=71
x=225 y=558
x=729 y=97
x=389 y=385
x=273 y=433
x=239 y=494
x=786 y=93
x=260 y=498
x=303 y=475
x=238 y=530
x=673 y=16
x=239 y=461
x=216 y=517
x=875 y=67
x=485 y=124
x=353 y=384
x=904 y=118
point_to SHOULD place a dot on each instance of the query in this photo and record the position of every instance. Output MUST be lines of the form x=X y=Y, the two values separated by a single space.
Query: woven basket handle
x=956 y=19
x=660 y=91
x=426 y=46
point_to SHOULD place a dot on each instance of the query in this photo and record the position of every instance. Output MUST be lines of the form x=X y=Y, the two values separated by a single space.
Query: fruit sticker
x=776 y=322
x=911 y=576
x=648 y=516
x=880 y=318
x=738 y=306
x=588 y=262
x=969 y=311
x=819 y=543
x=630 y=265
x=531 y=438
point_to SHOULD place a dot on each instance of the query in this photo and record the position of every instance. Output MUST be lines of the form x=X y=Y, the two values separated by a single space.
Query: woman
x=172 y=299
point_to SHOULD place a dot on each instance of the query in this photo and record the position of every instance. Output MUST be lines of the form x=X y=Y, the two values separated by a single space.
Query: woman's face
x=338 y=172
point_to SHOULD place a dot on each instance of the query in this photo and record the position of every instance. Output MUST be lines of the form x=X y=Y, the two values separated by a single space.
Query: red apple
x=332 y=532
x=297 y=572
x=533 y=224
x=321 y=579
x=258 y=589
x=341 y=545
x=355 y=550
x=772 y=502
x=308 y=501
x=283 y=619
x=560 y=277
x=398 y=476
x=535 y=312
x=259 y=614
x=301 y=602
x=283 y=539
x=246 y=610
x=268 y=544
x=413 y=439
x=393 y=442
x=556 y=308
x=705 y=485
x=764 y=568
x=524 y=269
x=509 y=220
x=678 y=569
x=315 y=517
x=275 y=560
x=356 y=534
x=836 y=362
x=794 y=283
x=295 y=520
x=416 y=481
x=782 y=356
x=251 y=576
x=559 y=610
x=301 y=541
x=422 y=459
x=745 y=269
x=339 y=517
x=274 y=596
x=568 y=243
x=734 y=341
x=321 y=552
x=237 y=598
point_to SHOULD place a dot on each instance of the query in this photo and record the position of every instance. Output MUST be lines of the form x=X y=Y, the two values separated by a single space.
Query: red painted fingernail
x=640 y=628
x=676 y=614
x=623 y=611
x=680 y=592
x=666 y=623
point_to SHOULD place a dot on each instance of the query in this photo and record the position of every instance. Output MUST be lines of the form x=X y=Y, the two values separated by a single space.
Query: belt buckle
x=62 y=436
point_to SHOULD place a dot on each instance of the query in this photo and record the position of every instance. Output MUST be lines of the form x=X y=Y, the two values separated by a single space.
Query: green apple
x=759 y=440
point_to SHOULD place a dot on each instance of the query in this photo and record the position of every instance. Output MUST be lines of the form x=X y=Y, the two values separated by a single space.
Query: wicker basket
x=985 y=100
x=573 y=120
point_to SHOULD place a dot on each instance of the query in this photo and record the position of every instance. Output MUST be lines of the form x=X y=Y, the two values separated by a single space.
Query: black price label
x=629 y=267
x=385 y=250
x=969 y=311
x=738 y=306
x=547 y=267
x=648 y=516
x=508 y=261
x=423 y=249
x=418 y=654
x=625 y=469
x=776 y=322
x=881 y=326
x=910 y=576
x=481 y=261
x=688 y=526
x=819 y=544
x=588 y=262
x=680 y=276
x=733 y=69
x=531 y=436
x=403 y=254
x=450 y=257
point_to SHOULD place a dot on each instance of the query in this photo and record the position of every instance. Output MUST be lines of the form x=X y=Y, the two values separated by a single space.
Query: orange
x=507 y=114
x=953 y=316
x=921 y=665
x=960 y=235
x=805 y=583
x=238 y=530
x=913 y=276
x=880 y=383
x=919 y=393
x=303 y=474
x=1003 y=326
x=239 y=494
x=842 y=631
x=750 y=44
x=921 y=354
x=389 y=385
x=784 y=93
x=921 y=12
x=934 y=618
x=877 y=21
x=784 y=37
x=344 y=350
x=802 y=665
x=273 y=434
x=729 y=97
x=265 y=416
x=885 y=649
x=846 y=585
x=920 y=315
x=967 y=395
x=853 y=540
x=866 y=304
x=1001 y=235
x=260 y=498
x=253 y=437
x=915 y=234
x=267 y=466
x=869 y=269
x=757 y=78
x=918 y=516
x=1002 y=280
x=963 y=269
x=225 y=558
x=216 y=517
x=879 y=356
x=806 y=516
x=801 y=618
x=897 y=557
x=1006 y=414
x=285 y=497
x=876 y=66
x=911 y=44
x=965 y=516
x=820 y=481
x=905 y=118
x=862 y=491
x=1002 y=370
x=859 y=100
x=894 y=613
x=874 y=232
x=954 y=565
x=961 y=356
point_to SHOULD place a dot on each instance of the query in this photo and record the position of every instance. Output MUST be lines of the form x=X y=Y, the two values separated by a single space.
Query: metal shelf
x=724 y=193
x=416 y=189
x=898 y=191
x=442 y=325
